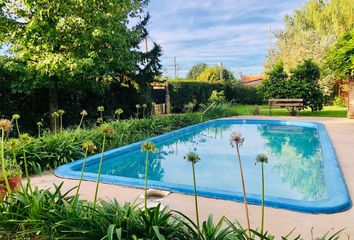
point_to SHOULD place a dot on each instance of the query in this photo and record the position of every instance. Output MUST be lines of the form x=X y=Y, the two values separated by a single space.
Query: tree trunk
x=53 y=101
x=351 y=97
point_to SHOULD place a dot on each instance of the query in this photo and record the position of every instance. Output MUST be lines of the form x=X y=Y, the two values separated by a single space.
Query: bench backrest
x=285 y=100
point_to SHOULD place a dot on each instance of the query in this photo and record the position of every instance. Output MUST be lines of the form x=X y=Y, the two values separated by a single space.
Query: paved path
x=278 y=221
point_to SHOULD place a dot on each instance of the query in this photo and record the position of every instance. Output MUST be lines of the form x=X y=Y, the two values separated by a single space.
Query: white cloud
x=230 y=31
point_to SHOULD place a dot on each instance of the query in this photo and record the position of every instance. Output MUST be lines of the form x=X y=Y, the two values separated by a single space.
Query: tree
x=341 y=60
x=275 y=86
x=309 y=33
x=196 y=70
x=302 y=83
x=216 y=74
x=74 y=45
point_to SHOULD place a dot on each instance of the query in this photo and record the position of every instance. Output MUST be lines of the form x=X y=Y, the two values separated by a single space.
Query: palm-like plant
x=193 y=158
x=262 y=158
x=237 y=140
x=5 y=126
x=61 y=113
x=107 y=131
x=15 y=118
x=147 y=147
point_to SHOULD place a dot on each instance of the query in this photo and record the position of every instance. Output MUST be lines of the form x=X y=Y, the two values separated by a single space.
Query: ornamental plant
x=5 y=126
x=61 y=113
x=106 y=131
x=83 y=114
x=24 y=139
x=138 y=107
x=144 y=106
x=147 y=147
x=15 y=118
x=55 y=115
x=39 y=125
x=100 y=109
x=193 y=158
x=262 y=158
x=237 y=140
x=118 y=112
x=88 y=147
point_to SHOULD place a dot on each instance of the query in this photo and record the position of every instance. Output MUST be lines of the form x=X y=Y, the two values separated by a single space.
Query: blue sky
x=234 y=32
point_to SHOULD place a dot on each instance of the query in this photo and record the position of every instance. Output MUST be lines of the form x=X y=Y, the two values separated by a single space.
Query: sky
x=232 y=32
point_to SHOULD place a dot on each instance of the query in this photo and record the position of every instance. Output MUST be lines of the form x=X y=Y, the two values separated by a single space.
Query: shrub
x=53 y=150
x=302 y=83
x=183 y=92
x=340 y=102
x=217 y=97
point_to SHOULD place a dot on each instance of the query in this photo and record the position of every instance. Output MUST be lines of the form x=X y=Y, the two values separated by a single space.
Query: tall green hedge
x=184 y=91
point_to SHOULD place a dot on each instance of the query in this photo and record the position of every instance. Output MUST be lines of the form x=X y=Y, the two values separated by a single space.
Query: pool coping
x=338 y=197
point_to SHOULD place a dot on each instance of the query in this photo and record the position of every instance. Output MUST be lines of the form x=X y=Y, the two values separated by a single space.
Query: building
x=252 y=80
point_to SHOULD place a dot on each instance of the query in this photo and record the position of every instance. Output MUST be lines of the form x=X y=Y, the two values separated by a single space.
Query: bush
x=183 y=92
x=302 y=83
x=339 y=102
x=43 y=214
x=52 y=150
x=217 y=97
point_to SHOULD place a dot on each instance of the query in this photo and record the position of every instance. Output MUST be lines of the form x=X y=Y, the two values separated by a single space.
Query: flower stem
x=146 y=179
x=99 y=171
x=39 y=131
x=55 y=125
x=82 y=119
x=61 y=123
x=3 y=161
x=244 y=191
x=262 y=226
x=25 y=163
x=17 y=127
x=196 y=200
x=81 y=176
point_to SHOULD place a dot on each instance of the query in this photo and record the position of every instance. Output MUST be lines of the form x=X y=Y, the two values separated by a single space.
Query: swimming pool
x=302 y=174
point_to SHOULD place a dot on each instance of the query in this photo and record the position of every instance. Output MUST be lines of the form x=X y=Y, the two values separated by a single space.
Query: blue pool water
x=301 y=170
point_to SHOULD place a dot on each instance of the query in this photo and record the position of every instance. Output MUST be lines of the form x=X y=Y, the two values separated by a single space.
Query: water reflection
x=295 y=170
x=298 y=157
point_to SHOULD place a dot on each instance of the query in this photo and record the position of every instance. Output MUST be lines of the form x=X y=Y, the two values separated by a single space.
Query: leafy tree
x=215 y=74
x=196 y=70
x=302 y=83
x=309 y=33
x=76 y=45
x=275 y=86
x=341 y=57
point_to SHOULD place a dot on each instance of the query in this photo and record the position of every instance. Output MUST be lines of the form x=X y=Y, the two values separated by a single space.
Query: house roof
x=252 y=78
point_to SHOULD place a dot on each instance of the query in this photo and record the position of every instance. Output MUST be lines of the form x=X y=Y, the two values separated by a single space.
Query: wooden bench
x=294 y=105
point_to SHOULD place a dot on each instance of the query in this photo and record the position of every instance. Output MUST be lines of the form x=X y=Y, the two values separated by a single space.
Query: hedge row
x=184 y=91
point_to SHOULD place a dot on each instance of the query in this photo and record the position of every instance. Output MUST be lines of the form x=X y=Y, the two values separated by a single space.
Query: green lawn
x=327 y=111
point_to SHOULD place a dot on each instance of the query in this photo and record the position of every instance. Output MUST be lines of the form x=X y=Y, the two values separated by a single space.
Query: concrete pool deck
x=278 y=222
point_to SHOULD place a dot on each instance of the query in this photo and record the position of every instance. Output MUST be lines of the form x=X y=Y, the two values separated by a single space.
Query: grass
x=327 y=111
